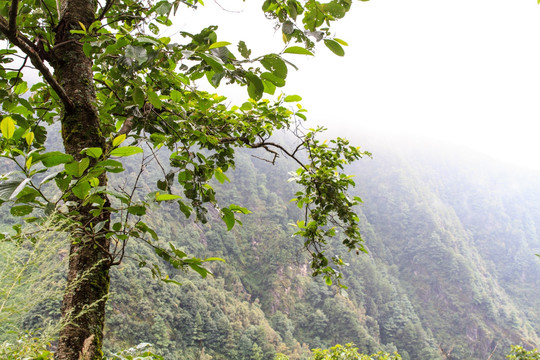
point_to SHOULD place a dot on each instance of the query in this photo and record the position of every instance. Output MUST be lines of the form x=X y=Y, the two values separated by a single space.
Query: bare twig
x=227 y=10
x=495 y=348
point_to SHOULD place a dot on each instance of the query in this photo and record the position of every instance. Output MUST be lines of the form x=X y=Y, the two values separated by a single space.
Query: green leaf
x=154 y=99
x=338 y=9
x=138 y=210
x=342 y=42
x=166 y=197
x=137 y=53
x=126 y=151
x=138 y=97
x=81 y=190
x=220 y=176
x=99 y=226
x=170 y=281
x=21 y=210
x=27 y=195
x=239 y=209
x=269 y=88
x=19 y=188
x=245 y=52
x=54 y=158
x=148 y=40
x=162 y=8
x=219 y=44
x=118 y=140
x=228 y=218
x=215 y=63
x=186 y=210
x=297 y=50
x=94 y=152
x=202 y=271
x=246 y=106
x=328 y=280
x=87 y=49
x=293 y=98
x=255 y=86
x=77 y=168
x=7 y=126
x=63 y=181
x=334 y=46
x=176 y=96
x=21 y=88
x=277 y=81
x=111 y=165
x=29 y=137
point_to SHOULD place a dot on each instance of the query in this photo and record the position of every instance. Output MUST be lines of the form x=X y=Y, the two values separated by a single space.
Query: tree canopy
x=119 y=88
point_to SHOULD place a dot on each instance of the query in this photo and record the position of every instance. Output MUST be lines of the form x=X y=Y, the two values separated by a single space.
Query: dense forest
x=451 y=271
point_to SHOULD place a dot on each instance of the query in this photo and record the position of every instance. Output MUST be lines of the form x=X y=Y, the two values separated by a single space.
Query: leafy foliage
x=519 y=353
x=349 y=352
x=25 y=347
x=146 y=97
x=120 y=89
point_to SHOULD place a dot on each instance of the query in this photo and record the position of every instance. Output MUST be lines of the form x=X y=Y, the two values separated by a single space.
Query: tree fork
x=83 y=307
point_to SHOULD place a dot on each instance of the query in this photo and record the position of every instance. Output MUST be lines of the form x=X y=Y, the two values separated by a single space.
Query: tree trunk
x=83 y=308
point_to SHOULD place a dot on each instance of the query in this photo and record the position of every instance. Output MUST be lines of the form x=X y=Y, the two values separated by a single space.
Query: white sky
x=463 y=71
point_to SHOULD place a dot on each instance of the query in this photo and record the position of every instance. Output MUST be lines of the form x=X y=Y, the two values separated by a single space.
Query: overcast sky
x=463 y=71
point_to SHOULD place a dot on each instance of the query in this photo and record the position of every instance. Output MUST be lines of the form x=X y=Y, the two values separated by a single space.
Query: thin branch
x=273 y=161
x=53 y=23
x=17 y=78
x=106 y=8
x=111 y=89
x=157 y=160
x=27 y=47
x=266 y=144
x=495 y=348
x=227 y=10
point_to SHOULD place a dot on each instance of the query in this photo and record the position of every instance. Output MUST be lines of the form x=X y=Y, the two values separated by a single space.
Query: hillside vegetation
x=451 y=271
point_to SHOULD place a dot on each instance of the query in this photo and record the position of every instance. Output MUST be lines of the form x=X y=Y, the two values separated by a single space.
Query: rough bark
x=83 y=308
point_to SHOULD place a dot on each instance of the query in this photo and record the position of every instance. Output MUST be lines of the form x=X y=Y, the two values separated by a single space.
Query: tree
x=519 y=353
x=349 y=352
x=116 y=86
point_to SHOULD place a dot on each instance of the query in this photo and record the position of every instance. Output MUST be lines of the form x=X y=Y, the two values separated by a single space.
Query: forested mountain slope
x=450 y=274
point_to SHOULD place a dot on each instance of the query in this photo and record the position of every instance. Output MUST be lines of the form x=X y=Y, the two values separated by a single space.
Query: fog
x=463 y=72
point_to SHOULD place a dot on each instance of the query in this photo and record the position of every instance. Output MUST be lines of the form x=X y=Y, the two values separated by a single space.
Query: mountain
x=451 y=271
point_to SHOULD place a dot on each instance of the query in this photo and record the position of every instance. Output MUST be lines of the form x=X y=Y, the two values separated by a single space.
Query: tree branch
x=106 y=8
x=27 y=47
x=266 y=145
x=13 y=10
x=126 y=126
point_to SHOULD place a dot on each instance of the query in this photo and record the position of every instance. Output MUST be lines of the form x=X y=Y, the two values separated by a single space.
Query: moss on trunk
x=83 y=308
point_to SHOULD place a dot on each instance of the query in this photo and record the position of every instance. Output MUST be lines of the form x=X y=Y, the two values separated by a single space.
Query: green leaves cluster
x=519 y=353
x=328 y=208
x=146 y=92
x=316 y=18
x=349 y=352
